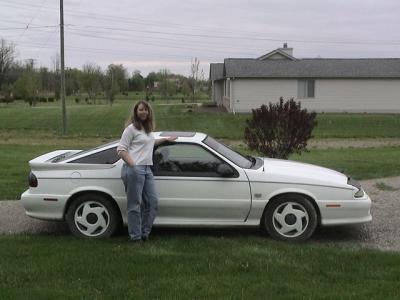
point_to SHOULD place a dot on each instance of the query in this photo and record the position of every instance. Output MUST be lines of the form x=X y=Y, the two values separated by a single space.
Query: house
x=323 y=85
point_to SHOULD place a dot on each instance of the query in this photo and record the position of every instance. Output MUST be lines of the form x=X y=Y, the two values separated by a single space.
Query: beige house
x=323 y=85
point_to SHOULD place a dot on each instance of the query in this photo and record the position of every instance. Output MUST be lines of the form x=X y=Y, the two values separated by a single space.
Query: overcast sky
x=153 y=35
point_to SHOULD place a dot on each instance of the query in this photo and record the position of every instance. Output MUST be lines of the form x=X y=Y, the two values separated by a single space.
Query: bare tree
x=91 y=80
x=194 y=77
x=7 y=56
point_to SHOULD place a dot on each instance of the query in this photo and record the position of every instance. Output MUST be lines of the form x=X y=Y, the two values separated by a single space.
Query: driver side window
x=188 y=160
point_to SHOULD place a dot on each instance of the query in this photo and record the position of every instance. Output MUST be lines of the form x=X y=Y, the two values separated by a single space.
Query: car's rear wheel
x=290 y=218
x=92 y=215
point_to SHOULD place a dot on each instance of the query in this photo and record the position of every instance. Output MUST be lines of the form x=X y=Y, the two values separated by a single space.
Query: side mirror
x=225 y=171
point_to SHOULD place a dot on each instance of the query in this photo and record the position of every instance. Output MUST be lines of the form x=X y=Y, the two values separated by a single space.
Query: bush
x=50 y=99
x=153 y=98
x=77 y=100
x=279 y=129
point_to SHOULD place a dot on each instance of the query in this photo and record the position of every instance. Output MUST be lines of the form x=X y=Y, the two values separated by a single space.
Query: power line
x=177 y=43
x=251 y=36
x=33 y=17
x=27 y=26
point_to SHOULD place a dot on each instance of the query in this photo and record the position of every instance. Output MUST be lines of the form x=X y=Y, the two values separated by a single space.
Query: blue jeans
x=142 y=200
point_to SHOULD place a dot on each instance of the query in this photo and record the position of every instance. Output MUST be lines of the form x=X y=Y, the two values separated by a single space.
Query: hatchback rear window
x=108 y=156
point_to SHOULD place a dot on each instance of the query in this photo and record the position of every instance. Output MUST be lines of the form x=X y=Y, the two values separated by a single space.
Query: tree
x=27 y=86
x=91 y=80
x=72 y=78
x=7 y=56
x=136 y=82
x=151 y=78
x=112 y=87
x=279 y=129
x=56 y=78
x=194 y=77
x=119 y=75
x=166 y=87
x=6 y=90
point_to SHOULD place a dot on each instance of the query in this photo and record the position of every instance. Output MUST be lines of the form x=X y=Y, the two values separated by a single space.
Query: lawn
x=213 y=264
x=26 y=132
x=189 y=266
x=106 y=121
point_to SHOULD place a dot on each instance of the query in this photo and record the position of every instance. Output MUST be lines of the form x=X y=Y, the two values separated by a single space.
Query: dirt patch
x=336 y=143
x=353 y=143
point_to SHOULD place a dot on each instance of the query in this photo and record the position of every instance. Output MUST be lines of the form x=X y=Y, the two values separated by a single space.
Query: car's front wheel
x=290 y=218
x=92 y=215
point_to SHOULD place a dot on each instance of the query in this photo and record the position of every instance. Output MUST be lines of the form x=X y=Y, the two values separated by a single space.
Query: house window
x=306 y=88
x=227 y=88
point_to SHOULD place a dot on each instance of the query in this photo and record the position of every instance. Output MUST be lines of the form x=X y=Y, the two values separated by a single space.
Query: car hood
x=277 y=170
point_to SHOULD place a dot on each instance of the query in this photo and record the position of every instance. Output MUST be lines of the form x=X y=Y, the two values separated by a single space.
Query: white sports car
x=200 y=182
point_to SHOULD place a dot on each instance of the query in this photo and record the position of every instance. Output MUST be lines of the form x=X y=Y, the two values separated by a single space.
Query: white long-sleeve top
x=138 y=144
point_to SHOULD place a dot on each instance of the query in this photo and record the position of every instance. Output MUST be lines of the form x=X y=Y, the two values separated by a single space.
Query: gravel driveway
x=382 y=233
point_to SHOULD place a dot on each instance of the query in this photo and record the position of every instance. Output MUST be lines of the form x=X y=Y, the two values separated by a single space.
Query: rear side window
x=108 y=156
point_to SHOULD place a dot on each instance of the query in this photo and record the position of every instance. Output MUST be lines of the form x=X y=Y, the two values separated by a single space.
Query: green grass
x=357 y=125
x=185 y=266
x=360 y=163
x=105 y=121
x=14 y=166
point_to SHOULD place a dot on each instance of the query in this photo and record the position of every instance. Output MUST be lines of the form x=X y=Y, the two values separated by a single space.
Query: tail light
x=33 y=182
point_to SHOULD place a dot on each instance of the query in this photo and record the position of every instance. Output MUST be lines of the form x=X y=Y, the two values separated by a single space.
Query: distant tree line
x=23 y=80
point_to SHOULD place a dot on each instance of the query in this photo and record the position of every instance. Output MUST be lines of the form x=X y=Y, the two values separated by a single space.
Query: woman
x=136 y=149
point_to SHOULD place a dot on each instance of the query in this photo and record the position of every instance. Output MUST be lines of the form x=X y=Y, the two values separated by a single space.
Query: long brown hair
x=147 y=125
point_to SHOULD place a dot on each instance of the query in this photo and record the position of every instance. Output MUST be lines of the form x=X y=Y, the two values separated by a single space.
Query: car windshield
x=233 y=156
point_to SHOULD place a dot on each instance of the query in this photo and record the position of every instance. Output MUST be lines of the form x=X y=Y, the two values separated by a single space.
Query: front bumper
x=346 y=212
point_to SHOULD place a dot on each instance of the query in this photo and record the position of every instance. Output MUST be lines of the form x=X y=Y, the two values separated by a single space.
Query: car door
x=193 y=191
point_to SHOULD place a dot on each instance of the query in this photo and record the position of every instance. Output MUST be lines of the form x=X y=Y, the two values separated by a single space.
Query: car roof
x=183 y=136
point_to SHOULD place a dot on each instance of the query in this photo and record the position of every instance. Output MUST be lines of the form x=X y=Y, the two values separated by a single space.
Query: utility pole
x=62 y=92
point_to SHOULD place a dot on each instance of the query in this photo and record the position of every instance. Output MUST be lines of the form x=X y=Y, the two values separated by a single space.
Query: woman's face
x=142 y=112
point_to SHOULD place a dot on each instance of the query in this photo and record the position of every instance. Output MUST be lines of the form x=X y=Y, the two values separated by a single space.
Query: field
x=26 y=132
x=187 y=264
x=183 y=265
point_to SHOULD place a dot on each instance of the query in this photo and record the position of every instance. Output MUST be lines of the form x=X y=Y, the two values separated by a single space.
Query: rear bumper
x=345 y=212
x=45 y=207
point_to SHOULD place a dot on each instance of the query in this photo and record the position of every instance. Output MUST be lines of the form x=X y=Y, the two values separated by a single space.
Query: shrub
x=77 y=100
x=279 y=129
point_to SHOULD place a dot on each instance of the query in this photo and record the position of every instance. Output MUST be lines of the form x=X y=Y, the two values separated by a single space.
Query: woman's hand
x=126 y=157
x=167 y=139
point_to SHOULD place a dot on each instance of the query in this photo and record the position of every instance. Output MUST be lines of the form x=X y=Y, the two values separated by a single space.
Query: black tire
x=93 y=215
x=290 y=218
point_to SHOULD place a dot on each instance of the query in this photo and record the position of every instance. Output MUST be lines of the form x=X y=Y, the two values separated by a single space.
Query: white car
x=200 y=182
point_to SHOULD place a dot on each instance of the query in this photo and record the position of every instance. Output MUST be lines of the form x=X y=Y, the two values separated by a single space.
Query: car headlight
x=360 y=193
